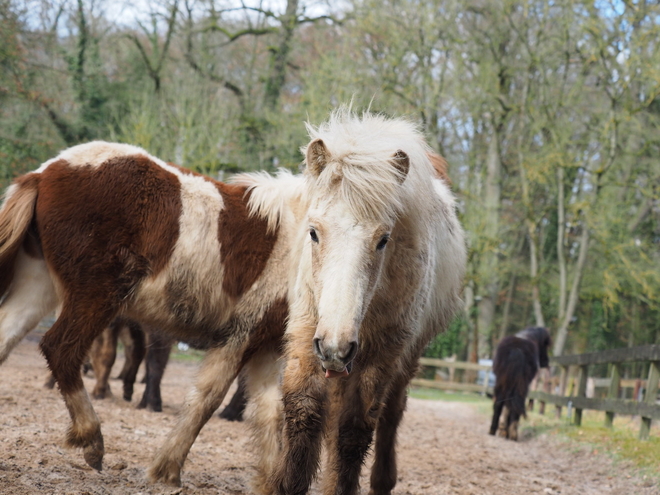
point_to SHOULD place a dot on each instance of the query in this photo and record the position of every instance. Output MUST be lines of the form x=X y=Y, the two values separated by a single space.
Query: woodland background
x=547 y=111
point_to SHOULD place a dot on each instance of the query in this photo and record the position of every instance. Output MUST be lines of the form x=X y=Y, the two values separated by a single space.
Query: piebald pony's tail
x=15 y=217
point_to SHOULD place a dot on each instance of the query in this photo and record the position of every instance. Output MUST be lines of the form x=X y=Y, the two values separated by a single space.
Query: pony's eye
x=312 y=234
x=383 y=241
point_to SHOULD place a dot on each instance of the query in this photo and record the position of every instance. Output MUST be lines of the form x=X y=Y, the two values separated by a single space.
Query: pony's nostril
x=318 y=350
x=352 y=351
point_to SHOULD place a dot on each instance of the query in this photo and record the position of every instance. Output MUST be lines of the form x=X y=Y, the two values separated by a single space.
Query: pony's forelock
x=360 y=166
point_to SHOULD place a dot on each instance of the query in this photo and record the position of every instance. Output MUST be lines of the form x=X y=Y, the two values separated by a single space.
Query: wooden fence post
x=650 y=397
x=581 y=392
x=563 y=378
x=613 y=392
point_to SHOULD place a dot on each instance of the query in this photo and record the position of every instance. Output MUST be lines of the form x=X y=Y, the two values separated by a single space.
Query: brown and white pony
x=107 y=229
x=380 y=274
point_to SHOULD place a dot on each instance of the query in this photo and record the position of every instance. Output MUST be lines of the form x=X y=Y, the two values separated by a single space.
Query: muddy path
x=443 y=447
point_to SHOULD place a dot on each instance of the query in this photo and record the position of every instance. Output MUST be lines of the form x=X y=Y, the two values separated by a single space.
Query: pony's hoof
x=101 y=393
x=94 y=455
x=167 y=472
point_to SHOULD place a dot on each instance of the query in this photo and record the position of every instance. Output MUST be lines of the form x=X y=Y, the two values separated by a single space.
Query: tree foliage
x=548 y=113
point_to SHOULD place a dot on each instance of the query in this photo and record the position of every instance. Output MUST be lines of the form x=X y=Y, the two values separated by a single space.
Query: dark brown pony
x=517 y=360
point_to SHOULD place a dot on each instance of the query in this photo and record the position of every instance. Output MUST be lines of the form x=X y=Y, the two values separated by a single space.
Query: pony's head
x=355 y=178
x=541 y=337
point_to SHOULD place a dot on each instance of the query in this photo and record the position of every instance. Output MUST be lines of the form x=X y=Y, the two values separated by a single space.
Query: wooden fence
x=467 y=384
x=648 y=408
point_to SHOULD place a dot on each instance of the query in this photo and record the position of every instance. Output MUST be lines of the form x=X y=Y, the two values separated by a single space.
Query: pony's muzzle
x=335 y=358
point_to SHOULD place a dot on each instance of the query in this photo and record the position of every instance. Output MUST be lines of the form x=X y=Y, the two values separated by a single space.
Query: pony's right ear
x=317 y=156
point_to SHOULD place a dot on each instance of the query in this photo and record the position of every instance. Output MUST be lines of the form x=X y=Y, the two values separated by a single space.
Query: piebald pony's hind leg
x=65 y=347
x=264 y=413
x=220 y=367
x=31 y=296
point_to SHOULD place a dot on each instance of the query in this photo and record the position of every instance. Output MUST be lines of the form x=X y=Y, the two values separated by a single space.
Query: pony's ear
x=317 y=156
x=401 y=162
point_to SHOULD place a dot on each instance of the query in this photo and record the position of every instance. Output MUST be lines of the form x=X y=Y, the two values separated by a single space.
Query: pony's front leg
x=304 y=399
x=356 y=407
x=261 y=379
x=218 y=370
x=384 y=469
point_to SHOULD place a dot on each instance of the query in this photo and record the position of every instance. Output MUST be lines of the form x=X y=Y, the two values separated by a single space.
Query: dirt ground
x=443 y=447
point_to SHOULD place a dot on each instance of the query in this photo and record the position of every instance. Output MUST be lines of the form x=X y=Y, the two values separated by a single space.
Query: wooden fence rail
x=451 y=384
x=648 y=409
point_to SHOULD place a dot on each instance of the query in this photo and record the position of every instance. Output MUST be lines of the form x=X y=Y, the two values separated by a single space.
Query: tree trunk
x=279 y=55
x=561 y=260
x=507 y=307
x=573 y=297
x=489 y=264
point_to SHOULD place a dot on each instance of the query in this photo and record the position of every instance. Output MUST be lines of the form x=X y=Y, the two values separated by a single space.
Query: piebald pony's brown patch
x=125 y=213
x=245 y=241
x=108 y=228
x=268 y=332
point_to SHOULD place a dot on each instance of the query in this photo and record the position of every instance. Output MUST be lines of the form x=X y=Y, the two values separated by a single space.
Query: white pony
x=380 y=274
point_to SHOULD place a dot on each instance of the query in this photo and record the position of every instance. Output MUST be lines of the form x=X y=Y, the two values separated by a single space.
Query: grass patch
x=619 y=442
x=189 y=356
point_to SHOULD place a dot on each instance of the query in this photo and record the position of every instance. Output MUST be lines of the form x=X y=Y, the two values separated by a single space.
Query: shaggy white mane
x=359 y=169
x=360 y=162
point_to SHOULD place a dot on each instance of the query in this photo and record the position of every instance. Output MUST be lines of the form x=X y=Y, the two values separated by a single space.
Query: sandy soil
x=443 y=448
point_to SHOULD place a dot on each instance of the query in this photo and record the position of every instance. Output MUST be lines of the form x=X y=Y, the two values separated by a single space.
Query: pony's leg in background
x=104 y=353
x=236 y=407
x=360 y=398
x=304 y=397
x=50 y=382
x=31 y=296
x=264 y=412
x=158 y=354
x=516 y=410
x=503 y=425
x=512 y=429
x=498 y=405
x=134 y=356
x=65 y=347
x=127 y=341
x=219 y=368
x=532 y=386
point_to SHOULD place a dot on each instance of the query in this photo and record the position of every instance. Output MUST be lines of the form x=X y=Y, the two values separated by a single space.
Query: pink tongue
x=335 y=374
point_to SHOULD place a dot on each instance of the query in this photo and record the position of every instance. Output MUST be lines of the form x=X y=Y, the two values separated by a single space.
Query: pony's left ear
x=317 y=156
x=401 y=162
